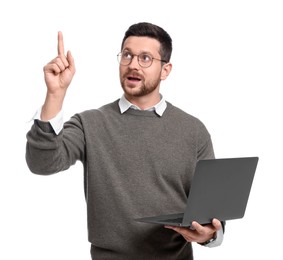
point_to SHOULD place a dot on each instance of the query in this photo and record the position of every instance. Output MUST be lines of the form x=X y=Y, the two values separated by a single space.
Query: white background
x=227 y=71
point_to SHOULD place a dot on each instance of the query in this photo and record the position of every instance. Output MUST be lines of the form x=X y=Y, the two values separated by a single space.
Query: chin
x=133 y=91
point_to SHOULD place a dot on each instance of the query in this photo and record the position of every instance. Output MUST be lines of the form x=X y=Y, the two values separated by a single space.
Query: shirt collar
x=159 y=108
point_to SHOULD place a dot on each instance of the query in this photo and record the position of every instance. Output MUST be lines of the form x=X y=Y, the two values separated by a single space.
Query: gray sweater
x=136 y=164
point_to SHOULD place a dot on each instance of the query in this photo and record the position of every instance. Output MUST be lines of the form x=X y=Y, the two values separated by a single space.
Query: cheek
x=152 y=74
x=121 y=71
x=156 y=75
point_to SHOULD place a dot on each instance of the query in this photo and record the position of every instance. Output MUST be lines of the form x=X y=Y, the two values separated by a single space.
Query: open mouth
x=133 y=79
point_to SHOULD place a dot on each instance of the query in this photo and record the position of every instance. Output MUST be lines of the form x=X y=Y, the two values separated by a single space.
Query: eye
x=127 y=55
x=145 y=57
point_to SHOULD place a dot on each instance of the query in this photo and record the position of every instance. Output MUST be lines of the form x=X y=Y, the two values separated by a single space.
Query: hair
x=153 y=31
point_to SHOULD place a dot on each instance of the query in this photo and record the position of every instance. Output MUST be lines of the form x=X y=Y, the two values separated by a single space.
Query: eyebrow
x=142 y=52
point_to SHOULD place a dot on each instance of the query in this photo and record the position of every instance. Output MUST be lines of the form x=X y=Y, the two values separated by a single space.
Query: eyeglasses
x=144 y=59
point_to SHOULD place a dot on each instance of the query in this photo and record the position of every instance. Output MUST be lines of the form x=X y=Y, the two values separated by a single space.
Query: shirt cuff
x=56 y=122
x=218 y=239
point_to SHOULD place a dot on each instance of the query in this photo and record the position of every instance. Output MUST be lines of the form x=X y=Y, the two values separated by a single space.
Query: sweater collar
x=159 y=108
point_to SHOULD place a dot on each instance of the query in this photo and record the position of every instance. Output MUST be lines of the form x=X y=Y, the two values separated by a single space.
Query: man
x=139 y=152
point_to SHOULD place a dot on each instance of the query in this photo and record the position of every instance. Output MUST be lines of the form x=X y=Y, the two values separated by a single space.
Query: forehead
x=142 y=44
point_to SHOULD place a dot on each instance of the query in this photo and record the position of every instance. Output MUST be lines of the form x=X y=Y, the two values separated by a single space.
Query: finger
x=216 y=223
x=185 y=232
x=170 y=227
x=198 y=227
x=71 y=62
x=60 y=45
x=182 y=231
x=61 y=63
x=52 y=68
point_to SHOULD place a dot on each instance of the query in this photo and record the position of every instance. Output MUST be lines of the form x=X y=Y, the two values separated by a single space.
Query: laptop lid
x=220 y=189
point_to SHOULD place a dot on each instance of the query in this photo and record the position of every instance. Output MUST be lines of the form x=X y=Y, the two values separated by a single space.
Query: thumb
x=71 y=61
x=217 y=224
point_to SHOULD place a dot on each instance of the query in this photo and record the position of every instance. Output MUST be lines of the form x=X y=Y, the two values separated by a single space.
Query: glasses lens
x=145 y=60
x=124 y=58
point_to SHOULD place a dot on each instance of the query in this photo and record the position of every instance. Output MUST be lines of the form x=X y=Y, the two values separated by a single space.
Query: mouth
x=134 y=79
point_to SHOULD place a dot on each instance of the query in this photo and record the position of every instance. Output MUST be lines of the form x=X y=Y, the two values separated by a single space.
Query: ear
x=166 y=69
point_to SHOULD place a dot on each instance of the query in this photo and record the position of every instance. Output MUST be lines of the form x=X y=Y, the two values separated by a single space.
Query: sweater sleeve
x=47 y=152
x=205 y=146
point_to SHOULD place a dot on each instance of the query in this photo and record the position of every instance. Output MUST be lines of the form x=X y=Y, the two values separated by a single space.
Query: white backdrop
x=227 y=71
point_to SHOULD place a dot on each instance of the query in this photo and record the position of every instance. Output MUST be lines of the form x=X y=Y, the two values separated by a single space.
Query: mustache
x=132 y=73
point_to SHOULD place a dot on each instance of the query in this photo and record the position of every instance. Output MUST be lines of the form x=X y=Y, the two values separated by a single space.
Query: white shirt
x=159 y=108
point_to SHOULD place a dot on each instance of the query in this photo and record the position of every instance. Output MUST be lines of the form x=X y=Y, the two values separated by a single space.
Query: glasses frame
x=119 y=55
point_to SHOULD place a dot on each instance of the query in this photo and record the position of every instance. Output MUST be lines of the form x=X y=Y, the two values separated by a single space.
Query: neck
x=146 y=101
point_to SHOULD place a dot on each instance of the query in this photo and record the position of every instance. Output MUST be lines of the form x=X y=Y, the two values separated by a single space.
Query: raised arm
x=58 y=75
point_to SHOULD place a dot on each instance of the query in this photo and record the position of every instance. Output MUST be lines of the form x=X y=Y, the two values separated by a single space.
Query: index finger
x=60 y=46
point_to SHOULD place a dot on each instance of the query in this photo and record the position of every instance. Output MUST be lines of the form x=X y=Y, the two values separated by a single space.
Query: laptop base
x=172 y=219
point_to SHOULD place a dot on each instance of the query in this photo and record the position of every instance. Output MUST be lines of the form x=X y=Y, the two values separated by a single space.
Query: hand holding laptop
x=198 y=233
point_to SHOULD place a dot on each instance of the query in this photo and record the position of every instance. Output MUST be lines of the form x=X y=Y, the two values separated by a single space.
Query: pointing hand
x=59 y=72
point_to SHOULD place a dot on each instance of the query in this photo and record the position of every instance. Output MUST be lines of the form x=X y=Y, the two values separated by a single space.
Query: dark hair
x=152 y=31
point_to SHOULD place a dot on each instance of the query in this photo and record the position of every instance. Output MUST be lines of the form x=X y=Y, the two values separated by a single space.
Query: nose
x=134 y=62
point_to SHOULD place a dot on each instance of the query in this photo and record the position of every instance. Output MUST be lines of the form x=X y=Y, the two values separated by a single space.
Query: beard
x=141 y=89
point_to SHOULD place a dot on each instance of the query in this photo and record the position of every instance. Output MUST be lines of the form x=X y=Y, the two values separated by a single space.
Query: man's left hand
x=198 y=233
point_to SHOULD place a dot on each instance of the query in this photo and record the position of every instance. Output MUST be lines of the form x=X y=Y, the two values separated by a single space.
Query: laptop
x=220 y=189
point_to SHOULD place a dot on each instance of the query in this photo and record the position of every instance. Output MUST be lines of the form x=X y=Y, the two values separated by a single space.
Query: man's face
x=137 y=81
